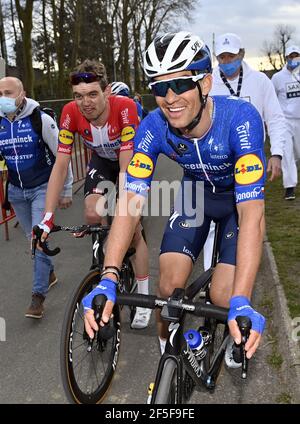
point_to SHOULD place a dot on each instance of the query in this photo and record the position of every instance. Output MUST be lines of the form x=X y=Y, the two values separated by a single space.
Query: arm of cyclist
x=51 y=135
x=54 y=189
x=119 y=239
x=249 y=251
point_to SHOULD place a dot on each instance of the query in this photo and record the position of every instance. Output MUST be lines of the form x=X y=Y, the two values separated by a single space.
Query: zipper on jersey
x=195 y=141
x=16 y=154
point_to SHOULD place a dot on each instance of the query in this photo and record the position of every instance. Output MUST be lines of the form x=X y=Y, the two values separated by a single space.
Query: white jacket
x=258 y=89
x=287 y=88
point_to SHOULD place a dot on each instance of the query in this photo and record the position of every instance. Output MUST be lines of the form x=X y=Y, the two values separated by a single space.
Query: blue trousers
x=29 y=207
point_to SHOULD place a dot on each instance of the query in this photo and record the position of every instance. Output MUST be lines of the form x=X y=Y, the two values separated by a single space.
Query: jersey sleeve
x=146 y=150
x=68 y=128
x=129 y=121
x=247 y=138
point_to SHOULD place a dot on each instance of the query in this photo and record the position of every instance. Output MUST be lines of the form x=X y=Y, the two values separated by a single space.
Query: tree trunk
x=2 y=35
x=25 y=16
x=77 y=30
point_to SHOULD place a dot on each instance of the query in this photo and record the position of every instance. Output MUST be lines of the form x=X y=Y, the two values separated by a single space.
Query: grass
x=283 y=231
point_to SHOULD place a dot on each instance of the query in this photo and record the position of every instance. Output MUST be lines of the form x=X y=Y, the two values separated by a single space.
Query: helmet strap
x=197 y=119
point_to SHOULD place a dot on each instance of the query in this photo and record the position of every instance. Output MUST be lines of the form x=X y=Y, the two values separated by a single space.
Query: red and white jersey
x=107 y=141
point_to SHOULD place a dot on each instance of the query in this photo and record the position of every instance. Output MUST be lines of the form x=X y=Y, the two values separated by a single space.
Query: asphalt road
x=29 y=365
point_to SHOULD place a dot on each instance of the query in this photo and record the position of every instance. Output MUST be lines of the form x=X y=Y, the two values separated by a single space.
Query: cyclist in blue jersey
x=217 y=141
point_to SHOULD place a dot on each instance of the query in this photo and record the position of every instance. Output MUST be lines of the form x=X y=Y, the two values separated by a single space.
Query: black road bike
x=88 y=365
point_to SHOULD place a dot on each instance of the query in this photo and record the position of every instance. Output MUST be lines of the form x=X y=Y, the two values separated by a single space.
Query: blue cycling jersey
x=229 y=156
x=28 y=159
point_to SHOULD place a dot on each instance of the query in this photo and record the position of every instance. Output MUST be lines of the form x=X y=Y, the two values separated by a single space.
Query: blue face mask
x=293 y=63
x=230 y=69
x=8 y=105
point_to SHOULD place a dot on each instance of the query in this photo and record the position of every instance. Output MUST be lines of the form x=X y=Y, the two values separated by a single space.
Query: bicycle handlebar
x=196 y=308
x=83 y=229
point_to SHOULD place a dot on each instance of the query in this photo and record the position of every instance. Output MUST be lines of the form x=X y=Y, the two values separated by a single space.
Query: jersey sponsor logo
x=126 y=146
x=248 y=169
x=182 y=147
x=136 y=187
x=173 y=218
x=64 y=149
x=292 y=90
x=141 y=166
x=185 y=225
x=67 y=121
x=207 y=166
x=146 y=141
x=189 y=253
x=66 y=137
x=127 y=134
x=92 y=173
x=16 y=140
x=256 y=193
x=244 y=134
x=125 y=117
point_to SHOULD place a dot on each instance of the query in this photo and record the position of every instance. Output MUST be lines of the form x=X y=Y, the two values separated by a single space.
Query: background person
x=233 y=76
x=287 y=87
x=121 y=89
x=30 y=159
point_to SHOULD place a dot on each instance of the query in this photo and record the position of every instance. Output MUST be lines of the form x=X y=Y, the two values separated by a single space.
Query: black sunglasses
x=178 y=85
x=86 y=77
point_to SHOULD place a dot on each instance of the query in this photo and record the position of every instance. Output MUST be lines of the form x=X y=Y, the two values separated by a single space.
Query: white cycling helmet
x=175 y=52
x=120 y=88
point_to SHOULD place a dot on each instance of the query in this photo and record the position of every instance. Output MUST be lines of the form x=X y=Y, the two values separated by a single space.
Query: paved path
x=29 y=365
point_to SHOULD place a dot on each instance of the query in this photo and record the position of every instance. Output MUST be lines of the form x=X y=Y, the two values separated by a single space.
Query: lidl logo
x=248 y=169
x=127 y=134
x=141 y=166
x=66 y=137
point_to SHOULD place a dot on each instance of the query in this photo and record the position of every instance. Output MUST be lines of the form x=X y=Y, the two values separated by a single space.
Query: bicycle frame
x=178 y=350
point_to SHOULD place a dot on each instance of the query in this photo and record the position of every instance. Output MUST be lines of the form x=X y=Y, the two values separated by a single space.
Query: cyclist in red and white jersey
x=107 y=125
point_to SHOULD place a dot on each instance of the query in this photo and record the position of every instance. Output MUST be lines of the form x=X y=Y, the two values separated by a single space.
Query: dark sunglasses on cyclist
x=86 y=77
x=178 y=85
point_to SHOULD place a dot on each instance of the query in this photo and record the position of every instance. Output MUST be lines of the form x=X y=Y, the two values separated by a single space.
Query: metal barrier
x=79 y=160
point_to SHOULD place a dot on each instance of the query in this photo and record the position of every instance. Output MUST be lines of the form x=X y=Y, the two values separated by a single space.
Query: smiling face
x=181 y=109
x=91 y=100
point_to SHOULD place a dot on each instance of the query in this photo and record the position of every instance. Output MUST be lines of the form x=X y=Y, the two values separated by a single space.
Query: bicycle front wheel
x=167 y=391
x=86 y=370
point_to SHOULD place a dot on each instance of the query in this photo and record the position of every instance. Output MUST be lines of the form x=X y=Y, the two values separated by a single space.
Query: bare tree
x=2 y=35
x=25 y=18
x=275 y=50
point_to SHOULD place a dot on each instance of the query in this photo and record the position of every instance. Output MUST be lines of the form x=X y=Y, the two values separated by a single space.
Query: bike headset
x=120 y=89
x=181 y=51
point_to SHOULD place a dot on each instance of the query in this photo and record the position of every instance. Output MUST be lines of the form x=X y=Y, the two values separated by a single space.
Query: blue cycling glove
x=240 y=305
x=107 y=287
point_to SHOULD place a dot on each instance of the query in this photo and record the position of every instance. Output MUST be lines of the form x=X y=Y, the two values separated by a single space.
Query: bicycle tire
x=167 y=388
x=128 y=283
x=86 y=376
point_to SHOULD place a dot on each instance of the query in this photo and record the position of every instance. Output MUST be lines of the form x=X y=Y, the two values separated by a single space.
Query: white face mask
x=8 y=104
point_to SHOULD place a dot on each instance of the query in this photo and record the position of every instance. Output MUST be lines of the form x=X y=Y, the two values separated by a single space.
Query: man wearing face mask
x=287 y=87
x=233 y=76
x=29 y=158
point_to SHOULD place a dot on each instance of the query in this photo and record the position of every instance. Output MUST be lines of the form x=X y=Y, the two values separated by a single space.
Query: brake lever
x=37 y=232
x=245 y=325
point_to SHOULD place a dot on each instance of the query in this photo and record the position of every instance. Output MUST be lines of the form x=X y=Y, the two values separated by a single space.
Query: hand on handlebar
x=46 y=225
x=107 y=288
x=240 y=305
